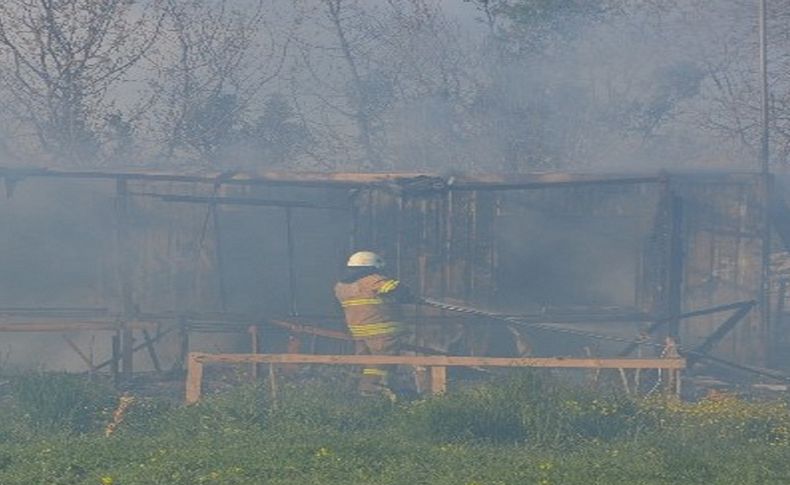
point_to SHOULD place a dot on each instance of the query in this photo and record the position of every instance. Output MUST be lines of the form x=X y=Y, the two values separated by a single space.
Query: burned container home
x=129 y=270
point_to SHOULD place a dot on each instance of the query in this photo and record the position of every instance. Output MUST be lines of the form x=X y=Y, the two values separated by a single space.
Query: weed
x=63 y=401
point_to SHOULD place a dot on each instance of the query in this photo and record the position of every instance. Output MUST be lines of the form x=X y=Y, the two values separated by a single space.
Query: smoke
x=431 y=85
x=411 y=84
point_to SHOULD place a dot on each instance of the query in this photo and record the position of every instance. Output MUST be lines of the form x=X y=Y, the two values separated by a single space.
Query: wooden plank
x=72 y=326
x=311 y=330
x=438 y=379
x=442 y=360
x=194 y=382
x=238 y=201
x=355 y=179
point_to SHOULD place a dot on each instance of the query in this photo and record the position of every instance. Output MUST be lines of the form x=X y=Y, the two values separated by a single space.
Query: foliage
x=518 y=430
x=527 y=410
x=61 y=401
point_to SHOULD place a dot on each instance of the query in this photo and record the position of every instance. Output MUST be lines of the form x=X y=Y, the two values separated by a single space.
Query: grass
x=520 y=430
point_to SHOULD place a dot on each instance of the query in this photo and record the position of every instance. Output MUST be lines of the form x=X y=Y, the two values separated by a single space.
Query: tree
x=59 y=61
x=374 y=77
x=581 y=83
x=277 y=137
x=215 y=57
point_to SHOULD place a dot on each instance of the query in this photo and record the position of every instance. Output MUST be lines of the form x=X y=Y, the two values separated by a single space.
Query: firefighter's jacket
x=370 y=306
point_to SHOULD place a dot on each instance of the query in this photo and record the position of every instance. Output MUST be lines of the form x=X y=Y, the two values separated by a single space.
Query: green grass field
x=518 y=430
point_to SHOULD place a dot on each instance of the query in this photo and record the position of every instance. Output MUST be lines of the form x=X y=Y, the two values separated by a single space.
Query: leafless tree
x=60 y=58
x=372 y=77
x=214 y=59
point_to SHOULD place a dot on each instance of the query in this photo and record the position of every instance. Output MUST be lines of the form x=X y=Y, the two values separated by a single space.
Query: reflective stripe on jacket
x=368 y=311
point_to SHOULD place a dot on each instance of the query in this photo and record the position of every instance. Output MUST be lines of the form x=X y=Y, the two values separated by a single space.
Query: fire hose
x=695 y=355
x=517 y=321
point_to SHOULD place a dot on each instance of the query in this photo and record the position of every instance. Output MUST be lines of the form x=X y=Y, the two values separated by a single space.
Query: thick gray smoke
x=494 y=85
x=442 y=86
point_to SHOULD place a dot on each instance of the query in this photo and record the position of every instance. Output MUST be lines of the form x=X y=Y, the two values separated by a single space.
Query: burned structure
x=109 y=263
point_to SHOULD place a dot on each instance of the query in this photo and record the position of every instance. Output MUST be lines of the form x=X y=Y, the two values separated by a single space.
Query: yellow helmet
x=364 y=259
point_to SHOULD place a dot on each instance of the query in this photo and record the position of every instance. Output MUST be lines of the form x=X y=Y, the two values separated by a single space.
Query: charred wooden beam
x=149 y=344
x=242 y=201
x=310 y=330
x=676 y=266
x=124 y=255
x=290 y=246
x=714 y=338
x=362 y=179
x=57 y=312
x=79 y=352
x=697 y=313
x=555 y=181
x=67 y=326
x=116 y=357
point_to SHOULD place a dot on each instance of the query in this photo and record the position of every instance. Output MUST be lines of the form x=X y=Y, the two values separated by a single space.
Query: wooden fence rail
x=437 y=363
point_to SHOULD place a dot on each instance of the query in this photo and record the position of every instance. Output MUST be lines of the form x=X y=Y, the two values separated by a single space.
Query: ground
x=518 y=429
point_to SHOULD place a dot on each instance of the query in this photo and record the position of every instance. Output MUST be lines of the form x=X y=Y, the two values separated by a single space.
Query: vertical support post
x=447 y=249
x=124 y=272
x=672 y=383
x=669 y=278
x=183 y=327
x=353 y=236
x=766 y=320
x=116 y=356
x=678 y=387
x=273 y=385
x=777 y=335
x=149 y=344
x=254 y=347
x=194 y=382
x=765 y=127
x=494 y=252
x=438 y=379
x=398 y=237
x=765 y=169
x=669 y=385
x=291 y=271
x=675 y=283
x=471 y=246
x=223 y=294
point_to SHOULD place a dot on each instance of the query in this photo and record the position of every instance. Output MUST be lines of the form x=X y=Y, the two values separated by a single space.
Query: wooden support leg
x=438 y=379
x=149 y=344
x=294 y=347
x=79 y=352
x=127 y=353
x=254 y=346
x=184 y=350
x=194 y=383
x=273 y=385
x=677 y=384
x=116 y=356
x=624 y=379
x=115 y=359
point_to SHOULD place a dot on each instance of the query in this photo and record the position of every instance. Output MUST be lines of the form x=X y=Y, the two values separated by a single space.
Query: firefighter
x=370 y=301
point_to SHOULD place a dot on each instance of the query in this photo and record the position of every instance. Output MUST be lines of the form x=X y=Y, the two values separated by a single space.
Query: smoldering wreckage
x=677 y=277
